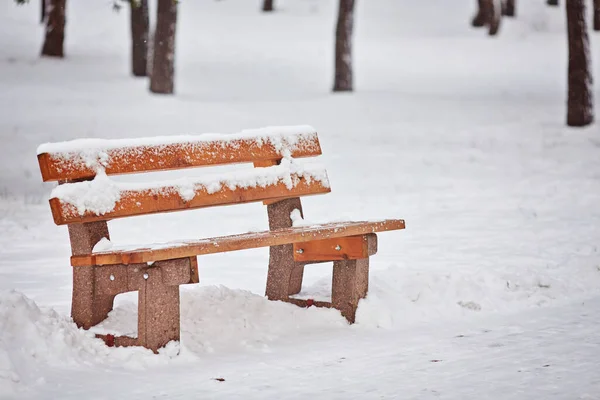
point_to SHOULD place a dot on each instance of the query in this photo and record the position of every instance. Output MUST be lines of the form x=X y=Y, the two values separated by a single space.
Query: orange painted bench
x=86 y=198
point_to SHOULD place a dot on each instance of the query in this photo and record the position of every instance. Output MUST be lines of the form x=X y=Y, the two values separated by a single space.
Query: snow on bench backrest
x=84 y=158
x=104 y=199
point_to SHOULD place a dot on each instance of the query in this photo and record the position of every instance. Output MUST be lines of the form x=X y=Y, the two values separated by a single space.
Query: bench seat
x=250 y=240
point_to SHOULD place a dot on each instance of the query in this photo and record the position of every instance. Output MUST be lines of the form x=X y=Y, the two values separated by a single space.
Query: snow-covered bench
x=86 y=198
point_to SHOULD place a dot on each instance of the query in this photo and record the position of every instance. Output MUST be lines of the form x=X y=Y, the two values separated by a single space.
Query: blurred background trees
x=155 y=57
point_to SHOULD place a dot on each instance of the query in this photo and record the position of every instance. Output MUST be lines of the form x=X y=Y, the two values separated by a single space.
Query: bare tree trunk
x=552 y=2
x=487 y=15
x=508 y=8
x=343 y=47
x=42 y=11
x=267 y=5
x=55 y=28
x=480 y=18
x=597 y=15
x=580 y=110
x=163 y=65
x=140 y=23
x=495 y=15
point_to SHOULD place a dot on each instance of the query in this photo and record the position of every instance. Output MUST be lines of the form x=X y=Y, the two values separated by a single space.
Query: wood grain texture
x=238 y=242
x=136 y=159
x=166 y=199
x=343 y=248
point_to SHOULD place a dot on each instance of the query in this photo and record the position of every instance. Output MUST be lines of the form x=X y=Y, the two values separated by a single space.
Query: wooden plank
x=136 y=159
x=344 y=248
x=166 y=199
x=248 y=240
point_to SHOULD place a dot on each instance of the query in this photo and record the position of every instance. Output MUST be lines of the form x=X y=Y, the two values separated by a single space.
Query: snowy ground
x=459 y=134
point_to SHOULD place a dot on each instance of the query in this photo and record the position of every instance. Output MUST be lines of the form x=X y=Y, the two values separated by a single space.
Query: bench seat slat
x=223 y=244
x=80 y=159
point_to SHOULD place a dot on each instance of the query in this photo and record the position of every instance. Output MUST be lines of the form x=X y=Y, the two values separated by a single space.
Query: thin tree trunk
x=508 y=8
x=42 y=11
x=494 y=16
x=267 y=5
x=140 y=23
x=552 y=2
x=55 y=28
x=343 y=47
x=479 y=19
x=580 y=111
x=597 y=15
x=163 y=65
x=487 y=15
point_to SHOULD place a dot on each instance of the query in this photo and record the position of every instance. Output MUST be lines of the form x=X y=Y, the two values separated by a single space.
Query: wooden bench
x=86 y=199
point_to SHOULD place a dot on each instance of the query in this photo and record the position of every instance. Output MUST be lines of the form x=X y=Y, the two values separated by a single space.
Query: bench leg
x=350 y=284
x=296 y=279
x=158 y=313
x=88 y=307
x=285 y=275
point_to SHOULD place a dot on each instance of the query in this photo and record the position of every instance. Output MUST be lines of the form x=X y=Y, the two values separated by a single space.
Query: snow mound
x=31 y=338
x=216 y=319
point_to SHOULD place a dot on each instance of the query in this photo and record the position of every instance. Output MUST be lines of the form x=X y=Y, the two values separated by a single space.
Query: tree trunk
x=343 y=47
x=508 y=8
x=552 y=2
x=597 y=15
x=494 y=16
x=267 y=5
x=42 y=11
x=487 y=14
x=480 y=18
x=55 y=28
x=140 y=23
x=580 y=111
x=163 y=64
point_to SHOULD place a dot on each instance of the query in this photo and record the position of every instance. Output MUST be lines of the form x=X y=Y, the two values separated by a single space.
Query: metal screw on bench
x=111 y=277
x=338 y=247
x=300 y=251
x=146 y=276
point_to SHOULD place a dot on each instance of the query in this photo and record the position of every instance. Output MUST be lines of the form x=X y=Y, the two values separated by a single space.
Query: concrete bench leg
x=350 y=284
x=158 y=311
x=88 y=307
x=285 y=275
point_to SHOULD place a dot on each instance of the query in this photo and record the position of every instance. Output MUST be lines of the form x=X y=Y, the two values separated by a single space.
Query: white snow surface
x=492 y=291
x=281 y=137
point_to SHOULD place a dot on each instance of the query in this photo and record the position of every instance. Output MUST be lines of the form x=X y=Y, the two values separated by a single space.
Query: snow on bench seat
x=83 y=158
x=103 y=199
x=165 y=251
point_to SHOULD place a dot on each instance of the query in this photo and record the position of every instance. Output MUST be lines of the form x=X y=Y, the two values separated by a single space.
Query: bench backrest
x=86 y=194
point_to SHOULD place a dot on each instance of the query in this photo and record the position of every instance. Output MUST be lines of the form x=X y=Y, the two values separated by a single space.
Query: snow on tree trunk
x=163 y=64
x=580 y=99
x=267 y=5
x=552 y=2
x=55 y=28
x=343 y=47
x=140 y=23
x=597 y=15
x=508 y=8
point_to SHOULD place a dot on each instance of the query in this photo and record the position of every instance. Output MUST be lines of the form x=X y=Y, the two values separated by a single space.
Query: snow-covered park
x=491 y=292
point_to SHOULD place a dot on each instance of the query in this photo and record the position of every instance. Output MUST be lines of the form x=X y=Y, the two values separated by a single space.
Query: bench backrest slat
x=81 y=159
x=95 y=201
